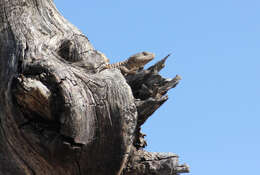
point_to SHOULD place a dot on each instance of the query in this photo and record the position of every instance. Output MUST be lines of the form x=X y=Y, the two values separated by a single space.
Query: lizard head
x=141 y=59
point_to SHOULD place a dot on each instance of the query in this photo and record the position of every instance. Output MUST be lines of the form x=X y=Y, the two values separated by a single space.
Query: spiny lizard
x=133 y=63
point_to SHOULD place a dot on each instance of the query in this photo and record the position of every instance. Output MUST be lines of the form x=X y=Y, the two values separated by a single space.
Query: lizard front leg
x=124 y=70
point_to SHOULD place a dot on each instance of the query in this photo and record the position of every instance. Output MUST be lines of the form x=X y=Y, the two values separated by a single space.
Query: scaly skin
x=133 y=63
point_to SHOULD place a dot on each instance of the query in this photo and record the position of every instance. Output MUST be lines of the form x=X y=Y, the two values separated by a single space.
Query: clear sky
x=212 y=118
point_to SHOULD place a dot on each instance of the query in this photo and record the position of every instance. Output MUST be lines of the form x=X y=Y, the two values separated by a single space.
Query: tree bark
x=60 y=112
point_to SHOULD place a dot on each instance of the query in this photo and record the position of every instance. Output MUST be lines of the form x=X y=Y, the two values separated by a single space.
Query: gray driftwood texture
x=60 y=114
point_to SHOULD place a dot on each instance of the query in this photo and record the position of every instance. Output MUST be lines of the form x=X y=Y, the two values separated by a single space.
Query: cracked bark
x=61 y=115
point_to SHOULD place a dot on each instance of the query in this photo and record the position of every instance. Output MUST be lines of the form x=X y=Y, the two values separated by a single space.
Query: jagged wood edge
x=149 y=89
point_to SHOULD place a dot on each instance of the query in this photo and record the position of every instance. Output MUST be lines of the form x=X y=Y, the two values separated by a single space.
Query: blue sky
x=211 y=119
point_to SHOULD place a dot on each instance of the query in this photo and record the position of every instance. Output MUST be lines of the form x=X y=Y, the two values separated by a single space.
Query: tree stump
x=60 y=113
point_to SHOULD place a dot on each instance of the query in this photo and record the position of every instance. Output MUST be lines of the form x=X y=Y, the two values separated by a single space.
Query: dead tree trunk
x=59 y=113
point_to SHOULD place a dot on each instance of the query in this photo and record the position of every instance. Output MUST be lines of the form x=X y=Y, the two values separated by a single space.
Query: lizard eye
x=145 y=53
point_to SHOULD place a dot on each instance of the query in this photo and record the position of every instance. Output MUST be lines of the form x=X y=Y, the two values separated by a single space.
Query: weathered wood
x=149 y=89
x=147 y=163
x=60 y=113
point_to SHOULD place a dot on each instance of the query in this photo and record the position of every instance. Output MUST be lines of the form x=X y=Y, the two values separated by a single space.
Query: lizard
x=132 y=64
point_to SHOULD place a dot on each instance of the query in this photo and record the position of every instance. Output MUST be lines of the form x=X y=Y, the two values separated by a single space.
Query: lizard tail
x=115 y=65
